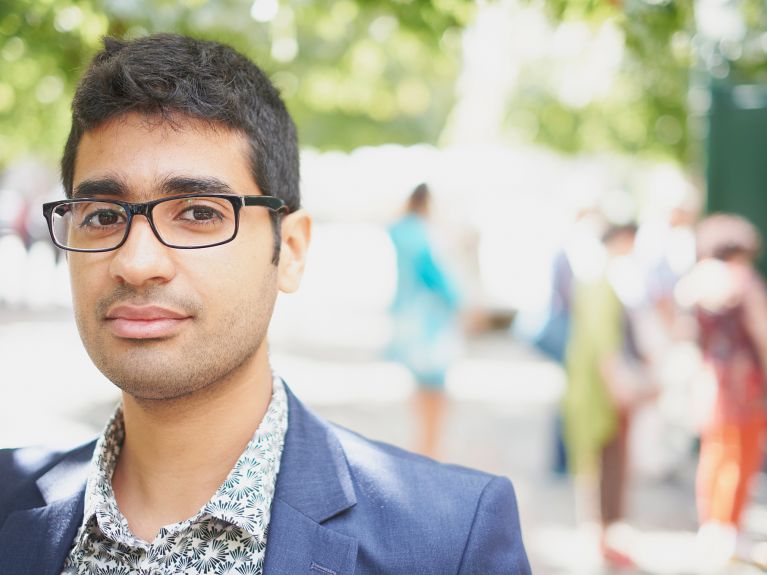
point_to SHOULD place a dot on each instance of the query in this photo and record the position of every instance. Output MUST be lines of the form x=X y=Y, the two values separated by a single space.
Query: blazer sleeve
x=494 y=545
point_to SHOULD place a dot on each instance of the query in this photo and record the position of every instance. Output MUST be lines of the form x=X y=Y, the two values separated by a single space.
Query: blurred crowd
x=661 y=329
x=663 y=322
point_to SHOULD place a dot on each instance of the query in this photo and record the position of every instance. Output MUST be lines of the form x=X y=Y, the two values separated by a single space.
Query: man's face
x=163 y=322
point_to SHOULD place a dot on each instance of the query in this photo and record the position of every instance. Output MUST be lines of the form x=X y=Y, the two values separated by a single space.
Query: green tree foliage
x=352 y=72
x=42 y=48
x=740 y=57
x=645 y=111
x=648 y=110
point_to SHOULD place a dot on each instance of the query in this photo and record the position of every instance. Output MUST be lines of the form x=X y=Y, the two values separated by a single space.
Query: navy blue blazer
x=343 y=505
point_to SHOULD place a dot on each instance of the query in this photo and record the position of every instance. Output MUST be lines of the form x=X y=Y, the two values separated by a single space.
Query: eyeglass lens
x=182 y=222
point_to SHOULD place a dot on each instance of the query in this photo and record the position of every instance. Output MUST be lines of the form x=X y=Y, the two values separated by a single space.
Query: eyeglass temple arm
x=270 y=202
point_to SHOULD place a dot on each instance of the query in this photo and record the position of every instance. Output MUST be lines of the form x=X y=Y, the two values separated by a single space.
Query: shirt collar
x=243 y=499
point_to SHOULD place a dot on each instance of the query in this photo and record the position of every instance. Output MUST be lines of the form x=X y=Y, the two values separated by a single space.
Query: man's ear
x=296 y=232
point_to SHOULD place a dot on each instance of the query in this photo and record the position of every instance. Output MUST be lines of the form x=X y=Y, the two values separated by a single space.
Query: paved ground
x=502 y=404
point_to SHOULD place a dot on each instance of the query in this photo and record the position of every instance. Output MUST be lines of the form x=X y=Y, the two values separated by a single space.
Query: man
x=182 y=223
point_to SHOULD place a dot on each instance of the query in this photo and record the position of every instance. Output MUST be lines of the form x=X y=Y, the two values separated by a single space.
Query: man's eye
x=200 y=214
x=102 y=218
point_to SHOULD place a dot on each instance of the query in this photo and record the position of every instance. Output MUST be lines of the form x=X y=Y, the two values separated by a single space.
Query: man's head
x=171 y=115
x=166 y=75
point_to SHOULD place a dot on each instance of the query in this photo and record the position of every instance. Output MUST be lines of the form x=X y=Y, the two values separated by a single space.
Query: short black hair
x=169 y=75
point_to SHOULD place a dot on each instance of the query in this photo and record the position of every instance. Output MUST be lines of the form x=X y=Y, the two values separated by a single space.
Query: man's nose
x=142 y=258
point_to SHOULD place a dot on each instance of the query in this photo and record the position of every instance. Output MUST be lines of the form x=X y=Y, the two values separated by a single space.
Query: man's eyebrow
x=190 y=185
x=171 y=186
x=101 y=187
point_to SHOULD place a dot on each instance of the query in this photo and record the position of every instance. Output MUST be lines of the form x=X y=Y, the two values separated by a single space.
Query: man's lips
x=144 y=322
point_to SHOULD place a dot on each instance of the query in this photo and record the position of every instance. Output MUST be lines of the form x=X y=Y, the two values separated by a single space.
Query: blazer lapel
x=296 y=545
x=314 y=484
x=37 y=540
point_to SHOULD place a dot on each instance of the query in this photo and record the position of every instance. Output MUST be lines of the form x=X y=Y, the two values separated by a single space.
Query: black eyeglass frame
x=273 y=203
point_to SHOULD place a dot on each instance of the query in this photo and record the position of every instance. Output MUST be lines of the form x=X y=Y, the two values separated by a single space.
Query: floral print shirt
x=227 y=536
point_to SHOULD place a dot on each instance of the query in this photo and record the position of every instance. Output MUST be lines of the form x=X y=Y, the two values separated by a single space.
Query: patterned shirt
x=227 y=536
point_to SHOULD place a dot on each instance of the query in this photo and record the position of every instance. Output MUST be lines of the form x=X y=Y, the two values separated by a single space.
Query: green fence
x=737 y=153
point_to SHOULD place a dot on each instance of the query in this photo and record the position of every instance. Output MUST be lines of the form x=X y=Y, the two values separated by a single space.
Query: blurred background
x=537 y=124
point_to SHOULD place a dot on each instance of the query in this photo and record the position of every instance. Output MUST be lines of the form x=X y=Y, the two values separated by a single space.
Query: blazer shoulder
x=20 y=469
x=442 y=518
x=375 y=459
x=22 y=463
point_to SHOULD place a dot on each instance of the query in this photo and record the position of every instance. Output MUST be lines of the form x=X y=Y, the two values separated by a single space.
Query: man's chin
x=156 y=385
x=144 y=394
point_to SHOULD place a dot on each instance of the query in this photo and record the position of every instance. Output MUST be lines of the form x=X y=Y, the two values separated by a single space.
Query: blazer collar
x=37 y=540
x=68 y=477
x=313 y=486
x=314 y=475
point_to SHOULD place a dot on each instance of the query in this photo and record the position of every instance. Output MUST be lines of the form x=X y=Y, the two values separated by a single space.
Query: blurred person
x=665 y=247
x=426 y=331
x=547 y=327
x=606 y=381
x=12 y=213
x=29 y=180
x=729 y=302
x=662 y=434
x=548 y=330
x=552 y=340
x=182 y=223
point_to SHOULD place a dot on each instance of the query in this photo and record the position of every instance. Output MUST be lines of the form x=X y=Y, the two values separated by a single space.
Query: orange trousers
x=730 y=455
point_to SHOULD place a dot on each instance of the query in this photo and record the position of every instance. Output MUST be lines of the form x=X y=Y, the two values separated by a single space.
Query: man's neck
x=178 y=452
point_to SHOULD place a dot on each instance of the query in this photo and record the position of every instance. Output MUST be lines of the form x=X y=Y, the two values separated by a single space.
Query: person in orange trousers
x=730 y=455
x=730 y=304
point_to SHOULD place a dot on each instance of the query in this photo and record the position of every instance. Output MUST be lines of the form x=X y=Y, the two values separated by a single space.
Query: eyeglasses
x=183 y=222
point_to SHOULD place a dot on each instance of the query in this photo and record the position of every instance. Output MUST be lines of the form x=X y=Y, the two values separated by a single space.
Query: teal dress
x=425 y=336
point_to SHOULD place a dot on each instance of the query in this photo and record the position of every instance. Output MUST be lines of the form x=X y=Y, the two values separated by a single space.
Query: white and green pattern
x=227 y=536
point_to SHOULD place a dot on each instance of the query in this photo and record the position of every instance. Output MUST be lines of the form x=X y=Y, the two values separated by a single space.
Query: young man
x=182 y=223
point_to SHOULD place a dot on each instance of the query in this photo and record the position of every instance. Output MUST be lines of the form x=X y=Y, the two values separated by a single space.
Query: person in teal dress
x=426 y=333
